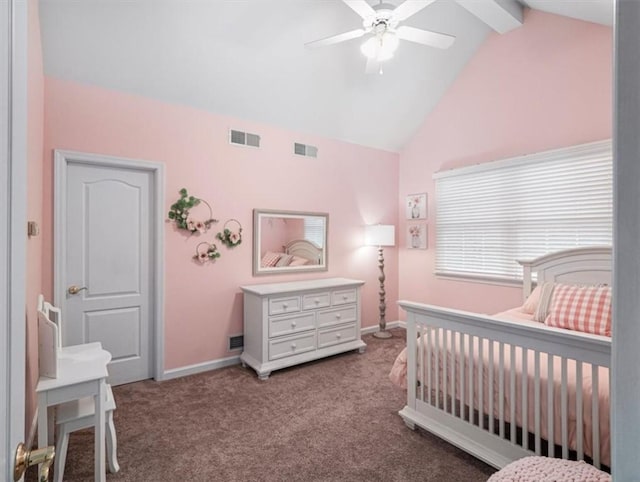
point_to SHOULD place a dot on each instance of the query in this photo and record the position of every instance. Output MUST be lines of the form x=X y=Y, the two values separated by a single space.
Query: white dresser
x=290 y=323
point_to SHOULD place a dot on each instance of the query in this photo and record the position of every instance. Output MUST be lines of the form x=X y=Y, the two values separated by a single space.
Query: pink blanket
x=398 y=376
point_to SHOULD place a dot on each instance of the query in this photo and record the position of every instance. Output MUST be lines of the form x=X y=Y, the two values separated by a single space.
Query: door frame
x=62 y=158
x=13 y=239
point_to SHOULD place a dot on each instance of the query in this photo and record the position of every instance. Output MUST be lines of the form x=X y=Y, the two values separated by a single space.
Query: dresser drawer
x=292 y=345
x=287 y=325
x=280 y=306
x=336 y=316
x=316 y=300
x=343 y=297
x=335 y=336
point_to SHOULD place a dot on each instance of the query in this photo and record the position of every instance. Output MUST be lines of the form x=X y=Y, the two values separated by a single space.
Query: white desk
x=82 y=372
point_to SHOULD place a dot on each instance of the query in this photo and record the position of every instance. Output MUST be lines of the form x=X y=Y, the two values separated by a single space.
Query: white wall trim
x=390 y=324
x=235 y=360
x=200 y=367
x=625 y=383
x=61 y=159
x=591 y=149
x=13 y=202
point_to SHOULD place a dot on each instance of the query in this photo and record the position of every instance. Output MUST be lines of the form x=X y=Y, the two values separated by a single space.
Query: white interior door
x=108 y=247
x=13 y=42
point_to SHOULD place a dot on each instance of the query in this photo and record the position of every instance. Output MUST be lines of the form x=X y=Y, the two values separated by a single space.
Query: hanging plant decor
x=180 y=214
x=206 y=252
x=231 y=237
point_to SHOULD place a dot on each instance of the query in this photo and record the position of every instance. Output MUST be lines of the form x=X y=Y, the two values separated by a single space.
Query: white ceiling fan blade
x=361 y=7
x=334 y=39
x=425 y=37
x=408 y=8
x=373 y=66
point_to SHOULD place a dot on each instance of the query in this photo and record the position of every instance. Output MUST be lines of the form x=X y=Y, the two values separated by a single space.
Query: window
x=490 y=215
x=314 y=230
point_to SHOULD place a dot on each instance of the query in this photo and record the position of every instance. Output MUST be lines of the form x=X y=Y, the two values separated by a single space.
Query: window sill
x=487 y=280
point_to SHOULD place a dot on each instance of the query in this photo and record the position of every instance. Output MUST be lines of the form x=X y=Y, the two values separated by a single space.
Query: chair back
x=48 y=346
x=53 y=314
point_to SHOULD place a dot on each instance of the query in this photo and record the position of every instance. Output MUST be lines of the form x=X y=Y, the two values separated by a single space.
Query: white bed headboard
x=590 y=265
x=305 y=249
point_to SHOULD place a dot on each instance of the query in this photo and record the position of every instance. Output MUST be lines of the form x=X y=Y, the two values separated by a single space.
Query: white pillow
x=284 y=260
x=532 y=301
x=544 y=305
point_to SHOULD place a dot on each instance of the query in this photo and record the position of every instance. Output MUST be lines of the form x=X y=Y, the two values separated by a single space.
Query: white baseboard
x=200 y=367
x=390 y=324
x=234 y=360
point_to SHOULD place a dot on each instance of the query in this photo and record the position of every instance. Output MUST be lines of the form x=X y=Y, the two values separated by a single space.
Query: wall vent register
x=240 y=138
x=305 y=150
x=236 y=342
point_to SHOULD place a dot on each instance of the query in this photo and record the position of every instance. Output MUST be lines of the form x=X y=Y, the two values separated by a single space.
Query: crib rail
x=502 y=390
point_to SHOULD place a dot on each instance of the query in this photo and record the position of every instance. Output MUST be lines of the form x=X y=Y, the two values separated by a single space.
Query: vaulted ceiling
x=247 y=59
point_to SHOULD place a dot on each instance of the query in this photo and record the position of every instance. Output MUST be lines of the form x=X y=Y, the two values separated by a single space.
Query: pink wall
x=545 y=85
x=355 y=185
x=35 y=127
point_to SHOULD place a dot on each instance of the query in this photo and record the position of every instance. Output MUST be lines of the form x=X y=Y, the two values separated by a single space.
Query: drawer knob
x=293 y=346
x=344 y=297
x=338 y=316
x=338 y=335
x=293 y=324
x=284 y=305
x=316 y=301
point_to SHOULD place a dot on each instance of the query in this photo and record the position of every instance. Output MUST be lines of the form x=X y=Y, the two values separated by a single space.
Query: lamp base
x=382 y=334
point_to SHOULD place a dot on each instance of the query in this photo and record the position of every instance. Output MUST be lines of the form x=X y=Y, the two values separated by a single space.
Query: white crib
x=486 y=385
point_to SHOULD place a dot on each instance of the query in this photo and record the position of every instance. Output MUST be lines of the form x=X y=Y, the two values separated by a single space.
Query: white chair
x=78 y=415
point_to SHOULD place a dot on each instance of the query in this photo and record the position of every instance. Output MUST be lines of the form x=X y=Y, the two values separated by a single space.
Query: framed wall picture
x=417 y=236
x=417 y=206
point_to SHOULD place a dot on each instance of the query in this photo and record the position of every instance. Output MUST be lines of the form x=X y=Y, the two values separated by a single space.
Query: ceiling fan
x=380 y=23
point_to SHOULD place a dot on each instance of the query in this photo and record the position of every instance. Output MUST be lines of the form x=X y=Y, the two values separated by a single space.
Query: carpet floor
x=331 y=420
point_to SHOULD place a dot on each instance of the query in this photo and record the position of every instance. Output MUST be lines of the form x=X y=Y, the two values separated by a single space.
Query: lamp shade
x=380 y=235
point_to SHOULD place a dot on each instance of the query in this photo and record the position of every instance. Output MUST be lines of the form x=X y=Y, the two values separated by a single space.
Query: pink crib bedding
x=398 y=376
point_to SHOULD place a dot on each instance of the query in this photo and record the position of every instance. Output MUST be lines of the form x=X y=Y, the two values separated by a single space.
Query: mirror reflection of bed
x=286 y=241
x=298 y=252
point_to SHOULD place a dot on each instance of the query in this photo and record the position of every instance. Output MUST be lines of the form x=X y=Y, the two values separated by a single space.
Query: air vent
x=305 y=150
x=236 y=342
x=244 y=138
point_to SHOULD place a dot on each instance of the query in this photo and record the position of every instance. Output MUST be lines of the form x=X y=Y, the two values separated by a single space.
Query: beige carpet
x=330 y=420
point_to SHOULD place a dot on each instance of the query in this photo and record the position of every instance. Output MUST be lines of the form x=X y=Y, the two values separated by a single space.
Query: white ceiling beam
x=501 y=15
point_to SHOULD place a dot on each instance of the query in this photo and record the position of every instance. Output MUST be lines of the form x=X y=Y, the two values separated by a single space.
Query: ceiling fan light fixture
x=380 y=47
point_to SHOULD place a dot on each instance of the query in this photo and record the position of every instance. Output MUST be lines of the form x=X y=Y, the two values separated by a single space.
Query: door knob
x=74 y=290
x=27 y=458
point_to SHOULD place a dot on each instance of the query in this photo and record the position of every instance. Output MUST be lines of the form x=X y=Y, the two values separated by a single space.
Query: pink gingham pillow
x=270 y=259
x=581 y=308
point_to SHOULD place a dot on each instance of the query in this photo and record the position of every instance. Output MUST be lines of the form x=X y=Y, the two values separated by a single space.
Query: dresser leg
x=361 y=349
x=410 y=424
x=264 y=375
x=244 y=365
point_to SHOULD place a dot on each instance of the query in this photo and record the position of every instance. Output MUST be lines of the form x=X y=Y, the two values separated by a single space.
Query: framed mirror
x=289 y=242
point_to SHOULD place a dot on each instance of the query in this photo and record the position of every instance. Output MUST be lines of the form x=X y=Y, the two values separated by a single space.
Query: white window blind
x=314 y=230
x=490 y=215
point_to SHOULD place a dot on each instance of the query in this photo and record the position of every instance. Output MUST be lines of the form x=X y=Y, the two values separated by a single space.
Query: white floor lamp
x=381 y=235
